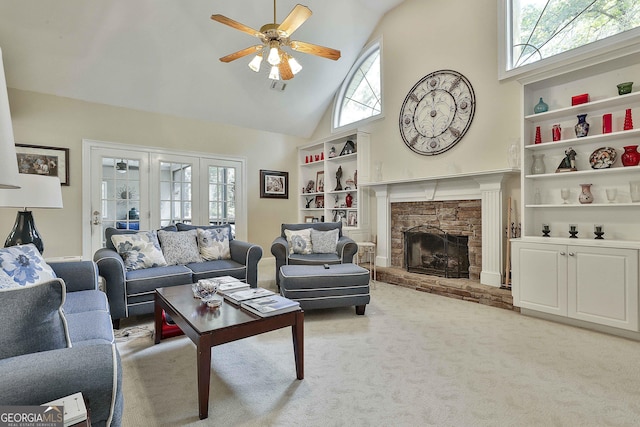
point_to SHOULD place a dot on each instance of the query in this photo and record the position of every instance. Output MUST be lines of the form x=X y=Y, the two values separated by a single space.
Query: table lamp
x=8 y=160
x=36 y=191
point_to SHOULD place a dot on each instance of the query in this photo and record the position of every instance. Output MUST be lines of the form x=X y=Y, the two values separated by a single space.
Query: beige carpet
x=414 y=359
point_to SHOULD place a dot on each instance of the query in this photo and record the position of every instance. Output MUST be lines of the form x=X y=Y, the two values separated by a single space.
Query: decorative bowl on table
x=206 y=290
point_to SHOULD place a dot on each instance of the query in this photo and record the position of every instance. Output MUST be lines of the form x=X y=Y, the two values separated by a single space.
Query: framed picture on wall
x=274 y=184
x=41 y=160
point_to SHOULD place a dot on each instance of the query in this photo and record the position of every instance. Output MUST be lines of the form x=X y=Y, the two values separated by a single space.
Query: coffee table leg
x=297 y=331
x=204 y=372
x=157 y=321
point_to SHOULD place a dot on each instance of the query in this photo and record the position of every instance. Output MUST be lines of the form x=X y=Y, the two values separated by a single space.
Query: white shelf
x=601 y=138
x=589 y=172
x=616 y=102
x=585 y=206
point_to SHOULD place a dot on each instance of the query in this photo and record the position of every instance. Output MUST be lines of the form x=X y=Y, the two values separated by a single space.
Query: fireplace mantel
x=486 y=186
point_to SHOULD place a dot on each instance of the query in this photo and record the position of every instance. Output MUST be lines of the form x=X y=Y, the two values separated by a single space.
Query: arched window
x=360 y=96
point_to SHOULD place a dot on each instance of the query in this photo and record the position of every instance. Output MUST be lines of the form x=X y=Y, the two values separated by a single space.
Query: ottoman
x=315 y=286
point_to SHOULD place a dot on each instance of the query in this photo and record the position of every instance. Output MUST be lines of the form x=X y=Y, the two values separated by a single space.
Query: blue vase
x=540 y=107
x=582 y=127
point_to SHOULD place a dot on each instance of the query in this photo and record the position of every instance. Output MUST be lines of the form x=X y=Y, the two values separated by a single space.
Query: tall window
x=360 y=96
x=175 y=193
x=222 y=188
x=541 y=29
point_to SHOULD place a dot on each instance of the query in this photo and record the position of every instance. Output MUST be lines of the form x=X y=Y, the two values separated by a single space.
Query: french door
x=139 y=188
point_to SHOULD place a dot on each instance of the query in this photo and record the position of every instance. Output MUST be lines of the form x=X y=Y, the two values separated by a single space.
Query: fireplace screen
x=430 y=250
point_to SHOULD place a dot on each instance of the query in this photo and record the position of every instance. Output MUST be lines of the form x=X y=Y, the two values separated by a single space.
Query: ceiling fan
x=274 y=38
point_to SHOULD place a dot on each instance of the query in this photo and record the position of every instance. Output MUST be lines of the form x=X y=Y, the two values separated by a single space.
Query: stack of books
x=237 y=297
x=75 y=410
x=270 y=306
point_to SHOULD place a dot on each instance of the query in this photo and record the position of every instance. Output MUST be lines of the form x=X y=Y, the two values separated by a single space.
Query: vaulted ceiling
x=162 y=56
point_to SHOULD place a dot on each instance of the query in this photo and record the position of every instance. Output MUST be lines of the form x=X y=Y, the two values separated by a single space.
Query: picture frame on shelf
x=42 y=160
x=349 y=148
x=352 y=219
x=320 y=181
x=308 y=219
x=274 y=184
x=315 y=220
x=319 y=201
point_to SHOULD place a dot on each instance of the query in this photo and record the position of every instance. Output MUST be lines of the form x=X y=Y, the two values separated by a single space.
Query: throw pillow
x=24 y=265
x=299 y=241
x=324 y=242
x=213 y=243
x=139 y=250
x=184 y=227
x=179 y=247
x=34 y=319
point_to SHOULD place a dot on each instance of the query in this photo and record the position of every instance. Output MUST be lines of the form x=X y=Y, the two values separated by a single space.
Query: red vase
x=630 y=157
x=349 y=199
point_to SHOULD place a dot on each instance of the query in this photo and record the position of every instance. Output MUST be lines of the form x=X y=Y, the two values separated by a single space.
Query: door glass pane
x=222 y=185
x=120 y=195
x=175 y=193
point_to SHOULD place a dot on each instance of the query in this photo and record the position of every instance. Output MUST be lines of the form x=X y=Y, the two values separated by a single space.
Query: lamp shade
x=8 y=160
x=36 y=191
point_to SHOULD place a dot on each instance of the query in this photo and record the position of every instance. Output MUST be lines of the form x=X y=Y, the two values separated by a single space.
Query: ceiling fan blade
x=241 y=53
x=298 y=15
x=238 y=26
x=285 y=70
x=314 y=49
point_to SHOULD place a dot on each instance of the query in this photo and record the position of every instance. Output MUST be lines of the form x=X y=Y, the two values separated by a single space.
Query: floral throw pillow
x=213 y=243
x=179 y=247
x=299 y=241
x=140 y=250
x=24 y=265
x=324 y=242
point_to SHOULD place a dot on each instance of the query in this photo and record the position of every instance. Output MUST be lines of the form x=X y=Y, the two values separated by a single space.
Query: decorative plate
x=603 y=158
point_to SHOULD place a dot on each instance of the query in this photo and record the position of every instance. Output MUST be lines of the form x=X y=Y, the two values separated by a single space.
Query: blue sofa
x=32 y=373
x=131 y=293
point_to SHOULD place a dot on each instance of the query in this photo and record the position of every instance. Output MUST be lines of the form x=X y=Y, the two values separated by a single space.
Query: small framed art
x=308 y=219
x=319 y=201
x=41 y=160
x=274 y=184
x=320 y=181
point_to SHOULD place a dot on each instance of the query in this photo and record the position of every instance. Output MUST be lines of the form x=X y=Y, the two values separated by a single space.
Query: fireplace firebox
x=430 y=250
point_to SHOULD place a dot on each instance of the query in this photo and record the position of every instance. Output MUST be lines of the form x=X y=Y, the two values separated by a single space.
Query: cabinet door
x=539 y=277
x=602 y=286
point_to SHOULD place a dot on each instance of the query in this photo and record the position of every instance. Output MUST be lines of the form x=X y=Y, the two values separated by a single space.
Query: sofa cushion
x=110 y=231
x=179 y=247
x=324 y=242
x=225 y=267
x=299 y=241
x=24 y=265
x=90 y=327
x=184 y=227
x=33 y=319
x=89 y=300
x=147 y=280
x=139 y=250
x=213 y=243
x=314 y=259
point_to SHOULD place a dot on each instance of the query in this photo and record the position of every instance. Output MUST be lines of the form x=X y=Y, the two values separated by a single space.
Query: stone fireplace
x=468 y=204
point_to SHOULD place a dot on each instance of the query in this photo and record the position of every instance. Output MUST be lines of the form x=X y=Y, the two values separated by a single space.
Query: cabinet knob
x=571 y=254
x=562 y=253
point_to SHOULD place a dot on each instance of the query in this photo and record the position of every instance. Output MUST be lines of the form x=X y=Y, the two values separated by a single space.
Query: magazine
x=271 y=305
x=238 y=296
x=229 y=287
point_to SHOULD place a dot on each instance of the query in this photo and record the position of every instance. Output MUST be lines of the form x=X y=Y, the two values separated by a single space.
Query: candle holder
x=573 y=231
x=545 y=230
x=598 y=231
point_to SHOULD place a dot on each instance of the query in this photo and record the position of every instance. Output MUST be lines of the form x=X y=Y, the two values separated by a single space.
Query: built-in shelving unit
x=583 y=279
x=321 y=198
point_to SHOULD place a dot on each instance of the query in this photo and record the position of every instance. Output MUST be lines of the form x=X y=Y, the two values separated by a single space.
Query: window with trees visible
x=360 y=96
x=541 y=29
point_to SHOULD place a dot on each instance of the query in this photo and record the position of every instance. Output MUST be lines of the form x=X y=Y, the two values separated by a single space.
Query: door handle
x=96 y=218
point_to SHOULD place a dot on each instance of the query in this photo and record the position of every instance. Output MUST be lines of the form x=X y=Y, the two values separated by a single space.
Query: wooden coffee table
x=208 y=327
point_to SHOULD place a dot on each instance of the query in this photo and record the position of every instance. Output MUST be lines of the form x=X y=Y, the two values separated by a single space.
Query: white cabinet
x=593 y=284
x=330 y=172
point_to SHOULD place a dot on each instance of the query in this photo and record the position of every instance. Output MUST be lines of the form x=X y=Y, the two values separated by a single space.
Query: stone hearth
x=464 y=289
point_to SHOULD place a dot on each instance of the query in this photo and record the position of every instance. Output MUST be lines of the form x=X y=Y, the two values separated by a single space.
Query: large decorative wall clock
x=437 y=112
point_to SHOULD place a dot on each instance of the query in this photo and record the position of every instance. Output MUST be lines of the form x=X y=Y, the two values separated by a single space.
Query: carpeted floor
x=414 y=359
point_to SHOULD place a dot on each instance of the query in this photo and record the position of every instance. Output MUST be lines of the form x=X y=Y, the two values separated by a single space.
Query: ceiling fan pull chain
x=274 y=11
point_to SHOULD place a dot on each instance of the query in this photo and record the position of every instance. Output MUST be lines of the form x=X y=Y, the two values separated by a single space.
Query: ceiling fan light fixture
x=274 y=54
x=274 y=74
x=255 y=63
x=294 y=65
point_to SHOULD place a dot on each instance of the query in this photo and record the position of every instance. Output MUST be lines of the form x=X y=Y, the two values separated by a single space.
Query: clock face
x=437 y=112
